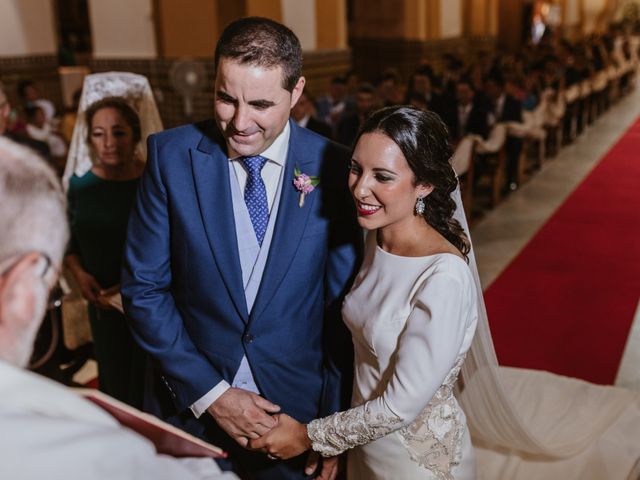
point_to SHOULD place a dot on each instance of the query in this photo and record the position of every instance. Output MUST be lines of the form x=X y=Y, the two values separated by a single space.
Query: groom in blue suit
x=234 y=274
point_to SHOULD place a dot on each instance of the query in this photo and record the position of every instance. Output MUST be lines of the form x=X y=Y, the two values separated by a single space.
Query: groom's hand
x=243 y=414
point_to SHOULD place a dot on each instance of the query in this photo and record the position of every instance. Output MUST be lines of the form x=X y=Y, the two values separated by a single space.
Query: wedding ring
x=271 y=457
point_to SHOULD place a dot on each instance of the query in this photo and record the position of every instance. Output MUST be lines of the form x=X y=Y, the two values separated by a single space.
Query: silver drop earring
x=420 y=206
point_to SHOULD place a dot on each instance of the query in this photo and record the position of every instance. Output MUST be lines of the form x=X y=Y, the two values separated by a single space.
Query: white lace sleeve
x=435 y=334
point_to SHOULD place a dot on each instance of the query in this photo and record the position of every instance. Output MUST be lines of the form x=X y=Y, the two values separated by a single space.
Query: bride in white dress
x=412 y=314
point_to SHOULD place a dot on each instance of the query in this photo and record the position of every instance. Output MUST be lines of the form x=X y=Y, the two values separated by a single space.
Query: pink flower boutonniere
x=304 y=184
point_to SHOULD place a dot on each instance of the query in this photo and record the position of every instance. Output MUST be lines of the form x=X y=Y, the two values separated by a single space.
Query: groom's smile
x=251 y=105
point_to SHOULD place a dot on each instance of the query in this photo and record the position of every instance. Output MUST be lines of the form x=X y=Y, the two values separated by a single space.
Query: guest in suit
x=467 y=114
x=506 y=108
x=333 y=106
x=349 y=126
x=420 y=90
x=48 y=431
x=304 y=114
x=235 y=267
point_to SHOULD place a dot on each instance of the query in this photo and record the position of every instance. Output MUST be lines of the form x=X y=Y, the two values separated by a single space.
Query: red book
x=167 y=439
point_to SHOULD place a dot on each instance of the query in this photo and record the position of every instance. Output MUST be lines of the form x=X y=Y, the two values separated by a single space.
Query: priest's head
x=33 y=236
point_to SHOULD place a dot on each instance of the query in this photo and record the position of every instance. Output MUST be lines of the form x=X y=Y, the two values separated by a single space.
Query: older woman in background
x=99 y=204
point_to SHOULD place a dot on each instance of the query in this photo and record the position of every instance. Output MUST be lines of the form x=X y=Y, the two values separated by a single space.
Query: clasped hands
x=254 y=422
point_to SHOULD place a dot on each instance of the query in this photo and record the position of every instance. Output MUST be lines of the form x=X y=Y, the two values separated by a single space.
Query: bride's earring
x=420 y=206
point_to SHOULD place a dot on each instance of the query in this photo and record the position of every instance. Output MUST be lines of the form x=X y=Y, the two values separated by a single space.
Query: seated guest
x=466 y=114
x=417 y=101
x=505 y=108
x=5 y=111
x=39 y=129
x=304 y=114
x=420 y=90
x=332 y=107
x=47 y=431
x=350 y=125
x=387 y=89
x=29 y=94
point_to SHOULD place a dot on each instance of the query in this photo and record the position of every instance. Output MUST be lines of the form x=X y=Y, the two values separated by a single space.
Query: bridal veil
x=534 y=424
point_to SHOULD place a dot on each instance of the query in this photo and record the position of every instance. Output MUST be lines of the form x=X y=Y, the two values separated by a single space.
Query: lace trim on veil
x=132 y=88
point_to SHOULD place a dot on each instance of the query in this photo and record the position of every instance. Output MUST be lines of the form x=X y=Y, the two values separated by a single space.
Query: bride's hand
x=287 y=439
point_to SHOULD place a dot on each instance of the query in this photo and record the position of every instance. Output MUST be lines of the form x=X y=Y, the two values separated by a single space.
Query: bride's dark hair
x=423 y=140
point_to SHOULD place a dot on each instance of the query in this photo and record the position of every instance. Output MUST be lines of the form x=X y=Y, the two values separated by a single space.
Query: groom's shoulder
x=322 y=148
x=189 y=135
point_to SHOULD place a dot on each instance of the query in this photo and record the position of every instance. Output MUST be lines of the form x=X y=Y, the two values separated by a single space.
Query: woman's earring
x=420 y=206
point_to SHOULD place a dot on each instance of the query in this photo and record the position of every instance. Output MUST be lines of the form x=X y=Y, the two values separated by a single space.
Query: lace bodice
x=412 y=321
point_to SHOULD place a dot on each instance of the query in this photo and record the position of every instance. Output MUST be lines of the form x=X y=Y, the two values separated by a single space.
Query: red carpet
x=566 y=302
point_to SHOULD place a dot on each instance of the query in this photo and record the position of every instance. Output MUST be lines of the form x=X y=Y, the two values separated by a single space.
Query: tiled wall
x=319 y=67
x=372 y=56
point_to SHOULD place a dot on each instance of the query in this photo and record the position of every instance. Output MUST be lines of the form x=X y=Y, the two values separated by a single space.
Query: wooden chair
x=532 y=131
x=491 y=160
x=554 y=118
x=572 y=97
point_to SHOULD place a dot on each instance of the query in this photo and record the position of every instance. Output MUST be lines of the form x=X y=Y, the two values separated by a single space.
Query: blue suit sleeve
x=147 y=294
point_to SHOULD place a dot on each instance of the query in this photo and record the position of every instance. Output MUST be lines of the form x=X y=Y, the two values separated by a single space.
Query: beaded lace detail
x=332 y=435
x=433 y=439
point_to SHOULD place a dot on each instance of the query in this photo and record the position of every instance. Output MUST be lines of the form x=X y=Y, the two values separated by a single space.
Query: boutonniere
x=304 y=184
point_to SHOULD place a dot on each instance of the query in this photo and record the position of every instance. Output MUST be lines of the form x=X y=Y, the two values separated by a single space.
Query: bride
x=412 y=313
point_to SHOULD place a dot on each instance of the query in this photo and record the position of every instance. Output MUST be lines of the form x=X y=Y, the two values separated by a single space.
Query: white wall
x=26 y=28
x=450 y=18
x=300 y=16
x=122 y=28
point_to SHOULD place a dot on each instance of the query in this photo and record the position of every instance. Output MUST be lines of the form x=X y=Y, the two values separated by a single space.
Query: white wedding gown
x=412 y=320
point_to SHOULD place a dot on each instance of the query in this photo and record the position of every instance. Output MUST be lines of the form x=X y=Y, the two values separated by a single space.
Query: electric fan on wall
x=188 y=77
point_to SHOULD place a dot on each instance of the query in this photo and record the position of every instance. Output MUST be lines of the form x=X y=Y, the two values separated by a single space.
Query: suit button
x=248 y=338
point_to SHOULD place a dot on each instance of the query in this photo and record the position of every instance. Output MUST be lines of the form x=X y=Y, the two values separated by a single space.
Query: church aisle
x=501 y=236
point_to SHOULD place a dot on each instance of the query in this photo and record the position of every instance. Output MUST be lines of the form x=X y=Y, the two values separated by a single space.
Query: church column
x=331 y=24
x=264 y=8
x=511 y=28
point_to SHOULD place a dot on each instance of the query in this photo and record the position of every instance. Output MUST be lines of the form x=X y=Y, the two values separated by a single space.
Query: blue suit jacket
x=182 y=282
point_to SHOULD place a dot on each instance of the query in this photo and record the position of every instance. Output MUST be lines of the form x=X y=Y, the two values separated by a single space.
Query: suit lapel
x=210 y=167
x=290 y=224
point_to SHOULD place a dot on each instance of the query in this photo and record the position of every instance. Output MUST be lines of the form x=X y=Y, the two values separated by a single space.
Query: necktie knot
x=254 y=164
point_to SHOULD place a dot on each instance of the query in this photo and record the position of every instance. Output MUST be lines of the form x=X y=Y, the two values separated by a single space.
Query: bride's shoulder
x=447 y=268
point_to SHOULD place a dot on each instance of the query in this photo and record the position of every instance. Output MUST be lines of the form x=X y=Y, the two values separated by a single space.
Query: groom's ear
x=297 y=91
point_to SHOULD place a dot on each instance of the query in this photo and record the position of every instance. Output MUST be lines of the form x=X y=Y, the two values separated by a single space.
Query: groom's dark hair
x=262 y=42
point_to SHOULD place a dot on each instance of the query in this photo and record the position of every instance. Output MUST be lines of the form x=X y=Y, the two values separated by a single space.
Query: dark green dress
x=98 y=215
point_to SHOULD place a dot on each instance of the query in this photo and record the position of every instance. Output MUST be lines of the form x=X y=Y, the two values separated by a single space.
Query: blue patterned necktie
x=255 y=196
